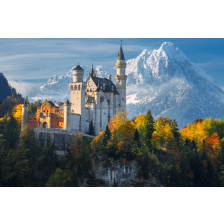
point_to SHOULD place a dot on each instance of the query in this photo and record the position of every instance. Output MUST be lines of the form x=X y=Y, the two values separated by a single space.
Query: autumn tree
x=17 y=113
x=213 y=143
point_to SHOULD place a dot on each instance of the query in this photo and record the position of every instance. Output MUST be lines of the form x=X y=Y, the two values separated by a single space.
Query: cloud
x=22 y=87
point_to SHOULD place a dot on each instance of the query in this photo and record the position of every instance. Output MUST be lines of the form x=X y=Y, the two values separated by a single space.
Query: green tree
x=11 y=132
x=148 y=129
x=136 y=137
x=13 y=94
x=31 y=108
x=58 y=179
x=91 y=129
x=26 y=101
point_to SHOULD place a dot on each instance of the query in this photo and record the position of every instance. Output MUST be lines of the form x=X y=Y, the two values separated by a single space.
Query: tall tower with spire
x=121 y=79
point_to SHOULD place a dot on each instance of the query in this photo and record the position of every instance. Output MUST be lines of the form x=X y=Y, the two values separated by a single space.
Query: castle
x=95 y=100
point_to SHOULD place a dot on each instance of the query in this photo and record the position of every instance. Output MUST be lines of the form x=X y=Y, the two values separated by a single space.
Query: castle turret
x=78 y=88
x=24 y=119
x=67 y=111
x=78 y=74
x=121 y=79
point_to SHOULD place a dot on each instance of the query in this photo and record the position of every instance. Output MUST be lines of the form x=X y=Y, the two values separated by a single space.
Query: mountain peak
x=167 y=45
x=172 y=51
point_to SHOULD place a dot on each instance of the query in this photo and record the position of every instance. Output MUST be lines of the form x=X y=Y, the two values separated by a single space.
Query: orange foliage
x=213 y=144
x=116 y=121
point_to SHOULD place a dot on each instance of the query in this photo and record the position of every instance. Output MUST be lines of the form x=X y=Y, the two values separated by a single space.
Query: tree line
x=192 y=156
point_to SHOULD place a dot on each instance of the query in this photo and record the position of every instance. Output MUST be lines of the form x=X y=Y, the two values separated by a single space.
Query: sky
x=33 y=61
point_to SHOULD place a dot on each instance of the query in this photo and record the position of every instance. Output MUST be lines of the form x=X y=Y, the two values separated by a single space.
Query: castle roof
x=104 y=85
x=78 y=68
x=120 y=54
x=49 y=102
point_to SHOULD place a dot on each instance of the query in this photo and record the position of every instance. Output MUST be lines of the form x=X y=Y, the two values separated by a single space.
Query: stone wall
x=60 y=138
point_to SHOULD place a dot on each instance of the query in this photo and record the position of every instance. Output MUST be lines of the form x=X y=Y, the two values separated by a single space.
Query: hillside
x=5 y=89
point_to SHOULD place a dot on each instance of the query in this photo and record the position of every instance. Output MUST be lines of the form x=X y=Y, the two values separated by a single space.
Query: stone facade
x=95 y=100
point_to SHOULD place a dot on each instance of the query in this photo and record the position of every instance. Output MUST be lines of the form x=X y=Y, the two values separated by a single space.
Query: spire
x=92 y=73
x=120 y=54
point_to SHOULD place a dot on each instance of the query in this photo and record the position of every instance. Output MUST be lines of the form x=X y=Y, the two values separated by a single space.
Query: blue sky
x=34 y=60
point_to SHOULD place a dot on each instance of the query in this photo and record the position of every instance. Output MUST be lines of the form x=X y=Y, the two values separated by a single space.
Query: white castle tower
x=78 y=88
x=67 y=111
x=121 y=79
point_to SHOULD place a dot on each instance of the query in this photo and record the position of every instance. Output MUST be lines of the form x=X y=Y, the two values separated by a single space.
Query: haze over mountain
x=164 y=81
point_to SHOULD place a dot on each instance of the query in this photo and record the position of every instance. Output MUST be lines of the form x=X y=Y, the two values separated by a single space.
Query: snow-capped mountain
x=169 y=84
x=164 y=81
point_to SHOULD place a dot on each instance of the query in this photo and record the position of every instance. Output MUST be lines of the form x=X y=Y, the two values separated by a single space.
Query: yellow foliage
x=17 y=114
x=139 y=120
x=117 y=120
x=195 y=132
x=97 y=141
x=126 y=131
x=162 y=137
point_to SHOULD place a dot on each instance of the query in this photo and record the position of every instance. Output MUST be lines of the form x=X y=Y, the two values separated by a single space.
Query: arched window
x=75 y=87
x=79 y=87
x=90 y=90
x=87 y=90
x=71 y=87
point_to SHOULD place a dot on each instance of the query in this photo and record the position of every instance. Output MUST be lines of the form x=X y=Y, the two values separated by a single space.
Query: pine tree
x=149 y=129
x=26 y=101
x=107 y=133
x=11 y=132
x=175 y=130
x=91 y=129
x=13 y=94
x=31 y=108
x=136 y=136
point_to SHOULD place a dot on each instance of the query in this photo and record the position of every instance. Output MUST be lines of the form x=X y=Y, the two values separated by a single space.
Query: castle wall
x=60 y=138
x=75 y=122
x=104 y=114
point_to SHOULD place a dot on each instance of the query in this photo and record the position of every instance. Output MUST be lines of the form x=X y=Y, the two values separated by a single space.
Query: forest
x=190 y=157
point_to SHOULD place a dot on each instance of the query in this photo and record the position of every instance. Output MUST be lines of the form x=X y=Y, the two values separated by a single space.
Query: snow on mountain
x=163 y=80
x=169 y=84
